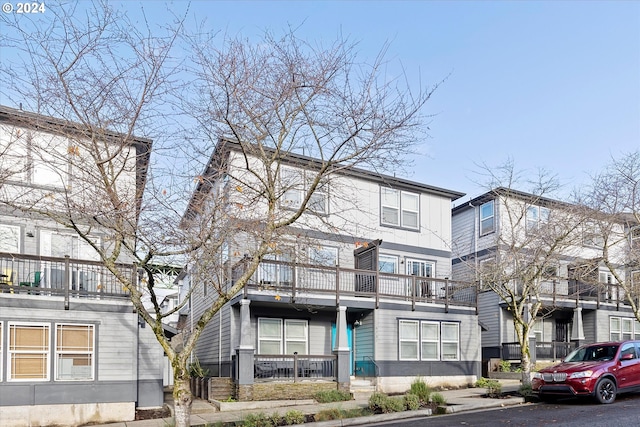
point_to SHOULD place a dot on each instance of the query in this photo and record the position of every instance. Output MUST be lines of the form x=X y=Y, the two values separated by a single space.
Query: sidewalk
x=205 y=413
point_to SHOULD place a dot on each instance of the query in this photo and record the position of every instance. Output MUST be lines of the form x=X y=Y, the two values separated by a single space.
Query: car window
x=591 y=353
x=628 y=348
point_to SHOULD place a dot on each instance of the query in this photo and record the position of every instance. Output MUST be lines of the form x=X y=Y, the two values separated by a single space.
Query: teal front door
x=349 y=342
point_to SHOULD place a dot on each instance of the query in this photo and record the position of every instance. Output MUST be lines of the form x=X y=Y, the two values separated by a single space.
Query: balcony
x=295 y=280
x=51 y=276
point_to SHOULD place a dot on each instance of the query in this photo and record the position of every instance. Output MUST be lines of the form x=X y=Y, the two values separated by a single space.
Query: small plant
x=229 y=399
x=197 y=371
x=328 y=415
x=411 y=402
x=294 y=417
x=525 y=390
x=328 y=396
x=493 y=387
x=420 y=389
x=504 y=366
x=438 y=399
x=394 y=404
x=259 y=419
x=377 y=401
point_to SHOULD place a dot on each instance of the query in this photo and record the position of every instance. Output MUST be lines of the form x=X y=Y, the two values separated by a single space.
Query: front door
x=349 y=342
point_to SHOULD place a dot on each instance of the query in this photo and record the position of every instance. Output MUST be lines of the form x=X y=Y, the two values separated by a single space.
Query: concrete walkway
x=205 y=413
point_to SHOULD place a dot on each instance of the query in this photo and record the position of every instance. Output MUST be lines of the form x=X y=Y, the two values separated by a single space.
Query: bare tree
x=533 y=233
x=613 y=200
x=279 y=100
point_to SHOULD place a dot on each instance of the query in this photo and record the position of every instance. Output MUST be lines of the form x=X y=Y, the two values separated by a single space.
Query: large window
x=426 y=288
x=74 y=357
x=623 y=328
x=399 y=208
x=634 y=237
x=282 y=336
x=276 y=273
x=9 y=238
x=487 y=218
x=28 y=352
x=591 y=236
x=428 y=340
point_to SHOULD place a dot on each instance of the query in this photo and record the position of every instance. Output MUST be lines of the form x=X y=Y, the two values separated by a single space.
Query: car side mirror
x=627 y=356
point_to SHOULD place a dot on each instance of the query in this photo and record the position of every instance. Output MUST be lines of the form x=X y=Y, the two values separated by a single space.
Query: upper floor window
x=634 y=237
x=591 y=236
x=9 y=238
x=295 y=183
x=536 y=215
x=399 y=208
x=57 y=244
x=487 y=218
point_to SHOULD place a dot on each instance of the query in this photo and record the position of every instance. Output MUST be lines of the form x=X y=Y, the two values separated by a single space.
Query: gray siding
x=463 y=233
x=364 y=337
x=489 y=314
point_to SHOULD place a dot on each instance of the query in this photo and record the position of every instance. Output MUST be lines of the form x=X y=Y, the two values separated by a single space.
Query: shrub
x=525 y=390
x=394 y=404
x=328 y=396
x=504 y=366
x=420 y=389
x=411 y=402
x=377 y=401
x=438 y=399
x=328 y=415
x=257 y=420
x=493 y=386
x=294 y=417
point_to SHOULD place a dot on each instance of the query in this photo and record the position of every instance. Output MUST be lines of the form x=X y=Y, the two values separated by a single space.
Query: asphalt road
x=625 y=411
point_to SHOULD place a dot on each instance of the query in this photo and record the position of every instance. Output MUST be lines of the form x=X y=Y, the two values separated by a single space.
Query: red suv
x=600 y=370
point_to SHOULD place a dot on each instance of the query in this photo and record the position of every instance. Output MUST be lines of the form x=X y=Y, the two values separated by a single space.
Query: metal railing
x=553 y=350
x=294 y=367
x=293 y=279
x=39 y=275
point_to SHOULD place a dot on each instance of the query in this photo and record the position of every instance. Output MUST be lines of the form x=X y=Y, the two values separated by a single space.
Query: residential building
x=363 y=292
x=581 y=301
x=72 y=348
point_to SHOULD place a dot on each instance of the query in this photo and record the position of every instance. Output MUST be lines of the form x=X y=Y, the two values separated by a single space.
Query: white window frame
x=486 y=218
x=536 y=216
x=634 y=237
x=591 y=237
x=11 y=231
x=392 y=260
x=45 y=351
x=427 y=340
x=444 y=341
x=283 y=339
x=615 y=331
x=90 y=353
x=397 y=202
x=426 y=288
x=538 y=329
x=406 y=339
x=295 y=183
x=323 y=255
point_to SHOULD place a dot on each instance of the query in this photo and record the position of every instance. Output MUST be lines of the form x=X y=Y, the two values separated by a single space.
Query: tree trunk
x=526 y=368
x=182 y=400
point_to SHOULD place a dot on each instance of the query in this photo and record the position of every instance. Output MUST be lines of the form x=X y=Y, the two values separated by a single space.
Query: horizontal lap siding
x=489 y=314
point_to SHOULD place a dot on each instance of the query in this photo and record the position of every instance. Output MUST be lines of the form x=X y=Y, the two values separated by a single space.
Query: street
x=625 y=411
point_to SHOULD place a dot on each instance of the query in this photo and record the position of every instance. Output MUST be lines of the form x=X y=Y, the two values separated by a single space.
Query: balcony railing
x=294 y=279
x=543 y=350
x=294 y=367
x=71 y=278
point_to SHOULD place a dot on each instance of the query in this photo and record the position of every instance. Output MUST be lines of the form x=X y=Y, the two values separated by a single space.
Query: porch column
x=341 y=348
x=577 y=330
x=245 y=351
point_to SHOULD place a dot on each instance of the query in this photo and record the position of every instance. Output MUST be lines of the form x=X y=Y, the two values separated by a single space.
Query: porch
x=552 y=350
x=51 y=276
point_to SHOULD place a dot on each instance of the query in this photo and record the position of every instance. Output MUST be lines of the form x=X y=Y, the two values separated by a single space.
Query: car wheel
x=605 y=391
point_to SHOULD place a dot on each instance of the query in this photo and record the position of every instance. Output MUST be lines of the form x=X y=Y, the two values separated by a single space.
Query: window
x=74 y=357
x=28 y=352
x=428 y=340
x=295 y=183
x=538 y=330
x=591 y=236
x=487 y=215
x=273 y=338
x=276 y=273
x=388 y=264
x=9 y=238
x=634 y=237
x=399 y=208
x=409 y=339
x=536 y=215
x=450 y=341
x=621 y=328
x=323 y=255
x=427 y=288
x=57 y=244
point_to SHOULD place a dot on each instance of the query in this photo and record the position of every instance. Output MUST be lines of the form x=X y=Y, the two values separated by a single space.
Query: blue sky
x=553 y=85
